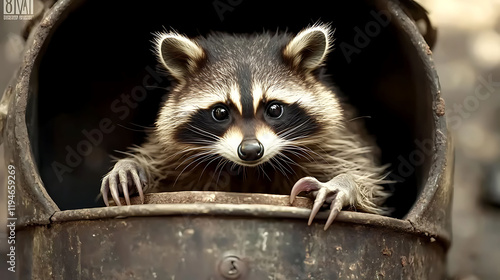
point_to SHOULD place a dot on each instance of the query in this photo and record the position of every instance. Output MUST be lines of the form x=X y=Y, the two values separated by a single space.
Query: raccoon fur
x=250 y=113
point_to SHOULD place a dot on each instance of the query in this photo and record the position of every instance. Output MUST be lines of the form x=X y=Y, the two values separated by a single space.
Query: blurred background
x=466 y=54
x=467 y=58
x=11 y=48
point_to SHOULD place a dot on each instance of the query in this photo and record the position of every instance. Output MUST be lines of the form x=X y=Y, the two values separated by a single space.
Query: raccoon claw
x=126 y=178
x=333 y=192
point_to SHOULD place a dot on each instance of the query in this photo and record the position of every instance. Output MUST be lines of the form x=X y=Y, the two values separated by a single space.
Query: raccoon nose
x=250 y=150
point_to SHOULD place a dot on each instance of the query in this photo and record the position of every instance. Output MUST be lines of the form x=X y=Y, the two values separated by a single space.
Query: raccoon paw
x=338 y=192
x=126 y=178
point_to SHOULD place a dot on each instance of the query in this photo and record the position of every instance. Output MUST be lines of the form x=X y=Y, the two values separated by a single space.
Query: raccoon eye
x=220 y=113
x=275 y=110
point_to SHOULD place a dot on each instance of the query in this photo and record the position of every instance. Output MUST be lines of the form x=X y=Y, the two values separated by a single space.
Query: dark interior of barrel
x=100 y=53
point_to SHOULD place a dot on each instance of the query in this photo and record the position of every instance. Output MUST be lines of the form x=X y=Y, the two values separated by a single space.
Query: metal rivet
x=232 y=267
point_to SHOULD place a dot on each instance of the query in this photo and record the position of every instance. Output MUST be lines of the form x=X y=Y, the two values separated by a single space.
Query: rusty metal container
x=88 y=75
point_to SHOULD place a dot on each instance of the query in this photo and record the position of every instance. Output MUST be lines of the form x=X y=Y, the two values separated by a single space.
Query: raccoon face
x=248 y=99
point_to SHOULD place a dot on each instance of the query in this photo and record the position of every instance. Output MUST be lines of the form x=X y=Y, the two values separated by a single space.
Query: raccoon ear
x=179 y=54
x=308 y=49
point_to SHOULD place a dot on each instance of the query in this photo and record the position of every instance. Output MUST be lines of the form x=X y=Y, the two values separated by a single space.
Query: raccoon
x=256 y=107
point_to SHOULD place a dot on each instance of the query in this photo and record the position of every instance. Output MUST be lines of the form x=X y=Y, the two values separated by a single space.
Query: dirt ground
x=466 y=55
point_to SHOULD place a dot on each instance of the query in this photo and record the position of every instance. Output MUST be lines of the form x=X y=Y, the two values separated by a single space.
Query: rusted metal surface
x=34 y=205
x=432 y=210
x=194 y=197
x=193 y=247
x=40 y=7
x=190 y=236
x=418 y=13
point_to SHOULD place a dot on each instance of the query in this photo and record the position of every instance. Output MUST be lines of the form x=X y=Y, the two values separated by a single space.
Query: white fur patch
x=271 y=142
x=257 y=95
x=235 y=97
x=227 y=146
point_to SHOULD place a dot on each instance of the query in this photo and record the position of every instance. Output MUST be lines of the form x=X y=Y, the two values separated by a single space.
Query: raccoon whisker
x=144 y=128
x=271 y=164
x=123 y=153
x=203 y=171
x=202 y=144
x=323 y=150
x=311 y=154
x=360 y=117
x=204 y=135
x=294 y=127
x=211 y=153
x=233 y=165
x=303 y=139
x=200 y=157
x=358 y=151
x=264 y=172
x=344 y=143
x=286 y=160
x=207 y=145
x=206 y=165
x=203 y=159
x=244 y=172
x=220 y=171
x=289 y=131
x=298 y=138
x=200 y=141
x=198 y=161
x=301 y=132
x=156 y=87
x=179 y=175
x=192 y=157
x=309 y=151
x=186 y=151
x=204 y=132
x=299 y=152
x=281 y=167
x=303 y=152
x=221 y=162
x=346 y=162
